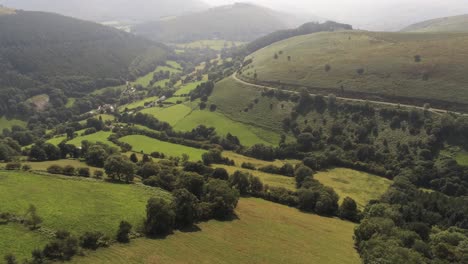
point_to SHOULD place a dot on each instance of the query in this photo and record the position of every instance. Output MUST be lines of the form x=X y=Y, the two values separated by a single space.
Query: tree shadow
x=190 y=229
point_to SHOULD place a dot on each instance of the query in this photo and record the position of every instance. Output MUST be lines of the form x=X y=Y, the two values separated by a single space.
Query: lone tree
x=123 y=233
x=134 y=158
x=119 y=168
x=160 y=217
x=348 y=210
x=32 y=218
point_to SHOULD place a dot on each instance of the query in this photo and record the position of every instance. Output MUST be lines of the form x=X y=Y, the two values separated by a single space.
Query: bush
x=220 y=174
x=84 y=172
x=93 y=240
x=26 y=167
x=13 y=166
x=98 y=174
x=55 y=169
x=69 y=170
x=248 y=165
x=123 y=232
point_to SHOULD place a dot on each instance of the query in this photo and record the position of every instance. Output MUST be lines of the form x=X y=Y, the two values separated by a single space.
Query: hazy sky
x=371 y=14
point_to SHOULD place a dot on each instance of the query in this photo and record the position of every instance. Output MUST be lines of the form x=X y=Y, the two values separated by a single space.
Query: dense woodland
x=42 y=53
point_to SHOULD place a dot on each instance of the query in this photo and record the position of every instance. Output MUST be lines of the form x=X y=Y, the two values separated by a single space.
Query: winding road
x=434 y=110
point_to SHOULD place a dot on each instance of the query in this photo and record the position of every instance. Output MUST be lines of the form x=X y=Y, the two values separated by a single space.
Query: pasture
x=263 y=232
x=271 y=180
x=9 y=123
x=75 y=204
x=360 y=186
x=19 y=241
x=171 y=114
x=217 y=45
x=244 y=103
x=148 y=145
x=409 y=65
x=100 y=136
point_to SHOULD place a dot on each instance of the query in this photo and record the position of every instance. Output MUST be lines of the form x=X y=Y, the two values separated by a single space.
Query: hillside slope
x=237 y=22
x=105 y=10
x=445 y=24
x=399 y=67
x=42 y=51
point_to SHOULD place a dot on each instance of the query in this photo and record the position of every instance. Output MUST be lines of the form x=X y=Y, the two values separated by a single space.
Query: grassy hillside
x=25 y=241
x=100 y=136
x=371 y=65
x=263 y=233
x=217 y=23
x=149 y=145
x=445 y=24
x=360 y=186
x=77 y=205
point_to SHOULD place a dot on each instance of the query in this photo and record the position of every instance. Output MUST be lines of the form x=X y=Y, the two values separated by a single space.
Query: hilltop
x=107 y=10
x=445 y=24
x=237 y=22
x=403 y=68
x=40 y=52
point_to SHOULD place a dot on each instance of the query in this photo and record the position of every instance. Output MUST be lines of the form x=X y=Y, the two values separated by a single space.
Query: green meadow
x=76 y=205
x=360 y=186
x=148 y=145
x=19 y=241
x=100 y=136
x=9 y=123
x=263 y=232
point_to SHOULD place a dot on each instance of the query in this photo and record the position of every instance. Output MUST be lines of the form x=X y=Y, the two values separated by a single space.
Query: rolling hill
x=445 y=24
x=107 y=10
x=40 y=52
x=407 y=68
x=237 y=22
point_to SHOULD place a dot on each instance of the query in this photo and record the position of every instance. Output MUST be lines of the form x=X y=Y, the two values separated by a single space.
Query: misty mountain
x=237 y=22
x=445 y=24
x=42 y=52
x=106 y=10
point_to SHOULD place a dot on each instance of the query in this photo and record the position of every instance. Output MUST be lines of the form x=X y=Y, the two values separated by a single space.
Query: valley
x=199 y=137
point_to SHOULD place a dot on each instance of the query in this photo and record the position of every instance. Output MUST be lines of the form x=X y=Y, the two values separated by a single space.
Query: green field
x=70 y=102
x=42 y=166
x=446 y=24
x=137 y=104
x=172 y=114
x=57 y=140
x=233 y=98
x=272 y=180
x=386 y=59
x=149 y=145
x=248 y=135
x=187 y=88
x=100 y=136
x=19 y=241
x=239 y=159
x=77 y=205
x=211 y=44
x=9 y=123
x=145 y=80
x=263 y=233
x=360 y=186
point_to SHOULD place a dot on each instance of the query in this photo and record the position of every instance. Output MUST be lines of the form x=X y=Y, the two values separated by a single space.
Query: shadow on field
x=190 y=229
